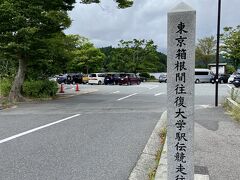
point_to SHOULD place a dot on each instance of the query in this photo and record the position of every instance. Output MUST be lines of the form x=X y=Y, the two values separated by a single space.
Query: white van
x=204 y=75
x=96 y=78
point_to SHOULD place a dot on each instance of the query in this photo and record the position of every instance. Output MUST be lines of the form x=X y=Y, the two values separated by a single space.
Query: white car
x=231 y=78
x=96 y=78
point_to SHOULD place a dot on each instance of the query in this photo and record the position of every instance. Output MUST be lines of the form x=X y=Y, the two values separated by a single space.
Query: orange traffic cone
x=77 y=88
x=61 y=89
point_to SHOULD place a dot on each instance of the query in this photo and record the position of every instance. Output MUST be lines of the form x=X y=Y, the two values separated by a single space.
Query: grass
x=162 y=136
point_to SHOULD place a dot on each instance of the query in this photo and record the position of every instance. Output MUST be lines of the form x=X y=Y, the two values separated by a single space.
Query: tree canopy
x=231 y=45
x=121 y=3
x=32 y=37
x=205 y=51
x=134 y=56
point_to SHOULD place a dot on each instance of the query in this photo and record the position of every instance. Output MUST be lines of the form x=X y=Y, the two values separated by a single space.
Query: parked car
x=85 y=78
x=231 y=78
x=142 y=79
x=204 y=75
x=112 y=78
x=73 y=78
x=129 y=79
x=223 y=78
x=236 y=81
x=53 y=78
x=163 y=77
x=62 y=78
x=70 y=78
x=96 y=78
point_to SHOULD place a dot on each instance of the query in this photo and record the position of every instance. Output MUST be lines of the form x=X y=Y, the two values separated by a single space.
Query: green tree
x=134 y=56
x=29 y=29
x=87 y=59
x=121 y=3
x=205 y=51
x=231 y=44
x=55 y=58
x=25 y=26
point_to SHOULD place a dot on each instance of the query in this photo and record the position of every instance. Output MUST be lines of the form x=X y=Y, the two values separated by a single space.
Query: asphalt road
x=103 y=142
x=101 y=139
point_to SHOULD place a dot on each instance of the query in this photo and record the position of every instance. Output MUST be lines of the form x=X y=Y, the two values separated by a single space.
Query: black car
x=70 y=78
x=112 y=78
x=236 y=81
x=62 y=78
x=222 y=78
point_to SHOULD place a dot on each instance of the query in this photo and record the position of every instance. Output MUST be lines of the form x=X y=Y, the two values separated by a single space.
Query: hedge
x=40 y=88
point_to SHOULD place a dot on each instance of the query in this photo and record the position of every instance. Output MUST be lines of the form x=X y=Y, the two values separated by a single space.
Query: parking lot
x=92 y=136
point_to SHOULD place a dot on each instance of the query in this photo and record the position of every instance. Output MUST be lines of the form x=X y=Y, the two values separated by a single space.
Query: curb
x=147 y=162
x=161 y=173
x=231 y=103
x=59 y=96
x=72 y=94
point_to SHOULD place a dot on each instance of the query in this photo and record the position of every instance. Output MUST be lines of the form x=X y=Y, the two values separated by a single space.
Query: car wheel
x=165 y=81
x=197 y=81
x=212 y=81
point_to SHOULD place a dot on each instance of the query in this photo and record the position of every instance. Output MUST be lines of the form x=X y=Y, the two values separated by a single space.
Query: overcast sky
x=105 y=25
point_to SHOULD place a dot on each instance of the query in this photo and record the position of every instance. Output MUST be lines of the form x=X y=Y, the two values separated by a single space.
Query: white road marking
x=152 y=87
x=36 y=129
x=116 y=92
x=127 y=96
x=158 y=94
x=229 y=86
x=204 y=106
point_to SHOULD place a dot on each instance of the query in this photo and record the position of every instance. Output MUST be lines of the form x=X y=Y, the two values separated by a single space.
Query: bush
x=5 y=87
x=144 y=74
x=40 y=88
x=152 y=77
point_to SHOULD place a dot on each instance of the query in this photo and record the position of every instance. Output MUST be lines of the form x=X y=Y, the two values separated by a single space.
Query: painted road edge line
x=36 y=129
x=127 y=96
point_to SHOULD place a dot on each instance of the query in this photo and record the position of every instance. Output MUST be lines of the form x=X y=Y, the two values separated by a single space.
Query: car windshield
x=92 y=75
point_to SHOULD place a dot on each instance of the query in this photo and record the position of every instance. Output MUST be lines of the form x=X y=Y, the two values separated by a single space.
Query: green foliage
x=145 y=74
x=86 y=59
x=40 y=88
x=5 y=86
x=205 y=51
x=152 y=77
x=134 y=56
x=230 y=69
x=231 y=44
x=121 y=3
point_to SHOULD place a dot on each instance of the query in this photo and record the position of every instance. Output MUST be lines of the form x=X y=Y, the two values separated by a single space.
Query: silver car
x=163 y=77
x=204 y=75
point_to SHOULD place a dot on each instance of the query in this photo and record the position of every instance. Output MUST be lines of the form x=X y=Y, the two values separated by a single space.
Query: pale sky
x=104 y=24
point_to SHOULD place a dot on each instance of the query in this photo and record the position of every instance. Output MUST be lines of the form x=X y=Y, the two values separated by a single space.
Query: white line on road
x=116 y=92
x=152 y=87
x=229 y=86
x=158 y=94
x=36 y=129
x=127 y=96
